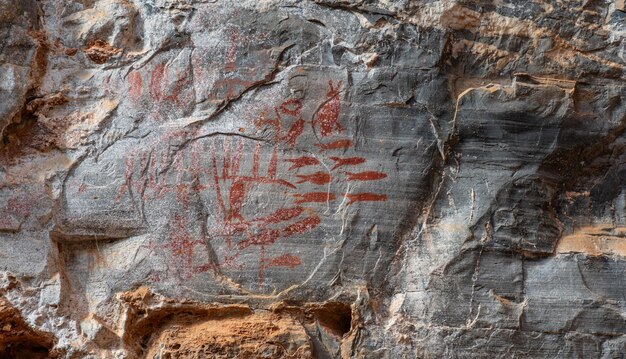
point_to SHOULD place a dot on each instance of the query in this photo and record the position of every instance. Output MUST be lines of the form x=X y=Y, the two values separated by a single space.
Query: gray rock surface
x=350 y=178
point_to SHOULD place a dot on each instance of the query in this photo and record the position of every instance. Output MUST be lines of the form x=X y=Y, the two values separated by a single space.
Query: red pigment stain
x=159 y=90
x=255 y=160
x=286 y=260
x=271 y=169
x=218 y=190
x=6 y=222
x=135 y=82
x=226 y=158
x=334 y=145
x=237 y=158
x=232 y=261
x=236 y=39
x=181 y=246
x=128 y=177
x=237 y=193
x=281 y=215
x=229 y=86
x=302 y=162
x=179 y=238
x=156 y=81
x=302 y=226
x=106 y=85
x=182 y=195
x=266 y=180
x=366 y=197
x=314 y=197
x=346 y=161
x=318 y=178
x=18 y=207
x=365 y=176
x=291 y=107
x=328 y=116
x=269 y=236
x=196 y=169
x=263 y=120
x=184 y=189
x=294 y=132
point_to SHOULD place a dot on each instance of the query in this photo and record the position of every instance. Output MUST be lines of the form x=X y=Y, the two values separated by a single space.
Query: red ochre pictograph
x=216 y=168
x=17 y=208
x=327 y=118
x=302 y=162
x=334 y=145
x=349 y=161
x=236 y=77
x=167 y=90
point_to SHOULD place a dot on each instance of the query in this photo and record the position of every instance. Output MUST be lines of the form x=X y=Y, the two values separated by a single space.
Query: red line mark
x=318 y=178
x=286 y=260
x=302 y=226
x=365 y=176
x=347 y=161
x=302 y=162
x=182 y=81
x=202 y=268
x=334 y=145
x=237 y=158
x=152 y=168
x=142 y=183
x=231 y=52
x=236 y=197
x=156 y=81
x=196 y=169
x=255 y=160
x=128 y=178
x=157 y=185
x=294 y=132
x=366 y=197
x=135 y=82
x=281 y=215
x=267 y=180
x=271 y=171
x=291 y=107
x=160 y=91
x=314 y=197
x=226 y=158
x=218 y=191
x=328 y=116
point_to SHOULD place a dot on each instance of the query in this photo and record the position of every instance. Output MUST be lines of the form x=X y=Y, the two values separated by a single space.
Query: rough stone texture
x=312 y=179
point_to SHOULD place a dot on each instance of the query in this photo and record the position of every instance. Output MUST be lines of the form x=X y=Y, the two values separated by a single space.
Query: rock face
x=312 y=179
